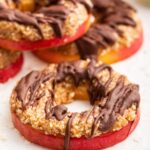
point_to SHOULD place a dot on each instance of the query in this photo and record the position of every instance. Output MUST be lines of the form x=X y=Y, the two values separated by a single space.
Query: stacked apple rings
x=32 y=25
x=62 y=32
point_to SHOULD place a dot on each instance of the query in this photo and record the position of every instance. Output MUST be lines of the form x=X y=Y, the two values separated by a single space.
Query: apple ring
x=39 y=113
x=45 y=24
x=115 y=35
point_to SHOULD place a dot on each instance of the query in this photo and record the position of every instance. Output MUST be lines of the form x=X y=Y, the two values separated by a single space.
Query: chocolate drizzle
x=97 y=90
x=118 y=16
x=49 y=105
x=17 y=16
x=103 y=5
x=116 y=101
x=28 y=83
x=49 y=2
x=28 y=86
x=103 y=34
x=68 y=130
x=115 y=12
x=71 y=69
x=54 y=14
x=99 y=36
x=99 y=4
x=60 y=112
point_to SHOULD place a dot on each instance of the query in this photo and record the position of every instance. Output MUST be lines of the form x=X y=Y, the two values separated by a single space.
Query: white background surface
x=137 y=68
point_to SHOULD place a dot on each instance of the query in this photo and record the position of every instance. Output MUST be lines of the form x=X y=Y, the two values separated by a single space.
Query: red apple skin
x=43 y=44
x=109 y=58
x=124 y=53
x=11 y=70
x=57 y=142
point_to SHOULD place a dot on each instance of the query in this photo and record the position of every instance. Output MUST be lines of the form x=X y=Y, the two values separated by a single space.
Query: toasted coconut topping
x=7 y=58
x=57 y=19
x=39 y=99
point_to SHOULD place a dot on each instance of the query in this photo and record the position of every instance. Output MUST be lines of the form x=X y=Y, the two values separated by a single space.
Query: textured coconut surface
x=136 y=68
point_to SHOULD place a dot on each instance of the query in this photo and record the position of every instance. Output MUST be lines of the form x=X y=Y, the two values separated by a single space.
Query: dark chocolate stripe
x=71 y=69
x=68 y=130
x=55 y=15
x=102 y=34
x=60 y=112
x=99 y=36
x=22 y=18
x=96 y=89
x=119 y=99
x=31 y=83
